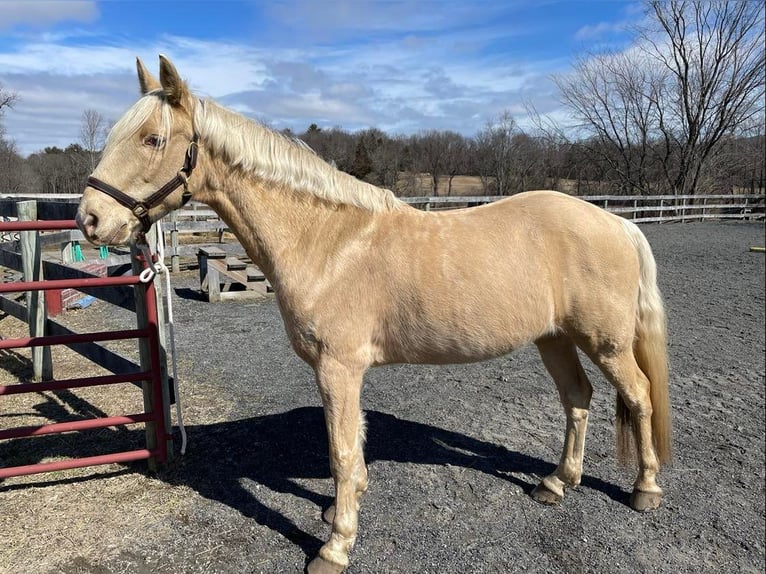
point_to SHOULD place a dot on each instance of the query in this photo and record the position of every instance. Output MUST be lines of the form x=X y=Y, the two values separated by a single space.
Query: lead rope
x=152 y=270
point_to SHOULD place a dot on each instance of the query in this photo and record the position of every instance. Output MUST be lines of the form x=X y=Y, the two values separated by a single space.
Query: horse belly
x=469 y=324
x=475 y=288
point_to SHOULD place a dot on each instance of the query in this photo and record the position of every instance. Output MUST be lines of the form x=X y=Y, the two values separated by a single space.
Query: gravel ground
x=454 y=451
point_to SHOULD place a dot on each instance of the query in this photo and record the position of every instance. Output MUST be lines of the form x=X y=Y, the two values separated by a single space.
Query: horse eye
x=155 y=141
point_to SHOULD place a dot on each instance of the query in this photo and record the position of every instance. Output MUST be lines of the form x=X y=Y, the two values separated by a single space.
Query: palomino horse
x=362 y=279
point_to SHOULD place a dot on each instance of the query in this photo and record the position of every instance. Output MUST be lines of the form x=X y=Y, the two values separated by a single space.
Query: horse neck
x=291 y=235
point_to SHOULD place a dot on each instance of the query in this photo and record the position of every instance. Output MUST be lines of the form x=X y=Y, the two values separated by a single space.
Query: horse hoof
x=329 y=514
x=545 y=495
x=321 y=566
x=642 y=501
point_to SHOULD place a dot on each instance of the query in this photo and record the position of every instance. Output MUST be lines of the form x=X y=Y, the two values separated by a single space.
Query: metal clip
x=140 y=210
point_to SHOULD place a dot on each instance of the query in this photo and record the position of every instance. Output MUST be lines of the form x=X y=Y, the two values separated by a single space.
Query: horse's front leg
x=340 y=387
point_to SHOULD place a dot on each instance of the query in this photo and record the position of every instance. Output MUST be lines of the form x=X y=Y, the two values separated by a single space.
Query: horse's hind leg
x=340 y=388
x=621 y=369
x=559 y=355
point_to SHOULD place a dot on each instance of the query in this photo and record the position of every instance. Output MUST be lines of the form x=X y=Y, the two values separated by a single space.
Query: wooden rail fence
x=638 y=208
x=198 y=218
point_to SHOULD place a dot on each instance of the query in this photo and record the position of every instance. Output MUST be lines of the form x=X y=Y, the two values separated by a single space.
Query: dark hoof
x=321 y=566
x=643 y=501
x=329 y=514
x=545 y=495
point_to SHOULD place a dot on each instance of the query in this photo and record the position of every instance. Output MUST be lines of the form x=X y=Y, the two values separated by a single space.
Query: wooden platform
x=225 y=278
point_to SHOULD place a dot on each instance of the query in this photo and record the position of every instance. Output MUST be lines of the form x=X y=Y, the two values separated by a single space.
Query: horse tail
x=651 y=353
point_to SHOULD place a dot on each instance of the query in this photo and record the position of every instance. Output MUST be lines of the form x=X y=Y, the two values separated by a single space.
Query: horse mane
x=283 y=161
x=138 y=114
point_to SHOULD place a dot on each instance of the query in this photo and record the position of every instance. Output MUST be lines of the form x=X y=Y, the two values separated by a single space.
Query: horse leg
x=621 y=369
x=359 y=474
x=560 y=359
x=340 y=388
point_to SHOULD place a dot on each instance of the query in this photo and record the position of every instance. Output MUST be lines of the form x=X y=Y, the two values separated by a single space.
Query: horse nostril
x=89 y=225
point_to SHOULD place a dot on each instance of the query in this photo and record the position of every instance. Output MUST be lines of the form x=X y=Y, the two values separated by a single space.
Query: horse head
x=146 y=164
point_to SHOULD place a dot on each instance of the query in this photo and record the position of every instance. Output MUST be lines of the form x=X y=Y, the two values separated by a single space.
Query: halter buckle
x=140 y=210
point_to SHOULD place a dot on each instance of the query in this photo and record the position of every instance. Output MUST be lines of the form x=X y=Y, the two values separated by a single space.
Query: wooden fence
x=198 y=218
x=638 y=208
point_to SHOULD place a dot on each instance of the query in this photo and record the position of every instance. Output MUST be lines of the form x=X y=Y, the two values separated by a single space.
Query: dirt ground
x=453 y=451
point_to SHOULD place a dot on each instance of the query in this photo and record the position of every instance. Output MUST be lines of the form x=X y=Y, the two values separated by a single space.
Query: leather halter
x=140 y=208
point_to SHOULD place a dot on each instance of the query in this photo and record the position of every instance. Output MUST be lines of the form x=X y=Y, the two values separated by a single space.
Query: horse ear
x=175 y=88
x=147 y=82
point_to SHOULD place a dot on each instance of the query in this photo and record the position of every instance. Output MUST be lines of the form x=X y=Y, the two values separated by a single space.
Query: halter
x=140 y=208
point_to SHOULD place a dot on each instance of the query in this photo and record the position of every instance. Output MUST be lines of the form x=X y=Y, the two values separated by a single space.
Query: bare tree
x=429 y=155
x=526 y=162
x=455 y=158
x=386 y=155
x=11 y=179
x=60 y=170
x=334 y=145
x=7 y=99
x=555 y=149
x=93 y=135
x=654 y=114
x=614 y=98
x=714 y=57
x=494 y=149
x=737 y=164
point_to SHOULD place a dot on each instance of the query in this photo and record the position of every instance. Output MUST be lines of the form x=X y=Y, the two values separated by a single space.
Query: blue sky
x=401 y=66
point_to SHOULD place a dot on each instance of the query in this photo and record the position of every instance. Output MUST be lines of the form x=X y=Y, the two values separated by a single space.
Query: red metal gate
x=153 y=376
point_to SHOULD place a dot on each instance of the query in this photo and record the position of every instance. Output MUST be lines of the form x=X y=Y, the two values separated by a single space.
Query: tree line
x=681 y=112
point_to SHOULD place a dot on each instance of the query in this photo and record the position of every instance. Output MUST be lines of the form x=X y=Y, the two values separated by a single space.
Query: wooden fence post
x=144 y=351
x=31 y=261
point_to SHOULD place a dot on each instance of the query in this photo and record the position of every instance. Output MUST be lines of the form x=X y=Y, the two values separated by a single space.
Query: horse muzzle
x=112 y=227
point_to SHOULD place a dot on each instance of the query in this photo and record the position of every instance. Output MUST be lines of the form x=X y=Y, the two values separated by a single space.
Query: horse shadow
x=272 y=450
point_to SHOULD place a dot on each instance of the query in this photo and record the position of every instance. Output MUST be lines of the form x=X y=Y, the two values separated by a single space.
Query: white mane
x=276 y=158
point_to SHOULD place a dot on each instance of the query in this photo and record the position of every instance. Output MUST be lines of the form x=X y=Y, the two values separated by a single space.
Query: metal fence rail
x=154 y=416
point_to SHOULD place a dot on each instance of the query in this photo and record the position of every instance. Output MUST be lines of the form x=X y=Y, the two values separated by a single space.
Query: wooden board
x=235 y=264
x=219 y=279
x=254 y=274
x=212 y=252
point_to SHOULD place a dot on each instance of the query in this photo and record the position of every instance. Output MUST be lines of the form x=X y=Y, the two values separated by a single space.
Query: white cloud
x=633 y=14
x=395 y=83
x=592 y=31
x=44 y=13
x=63 y=60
